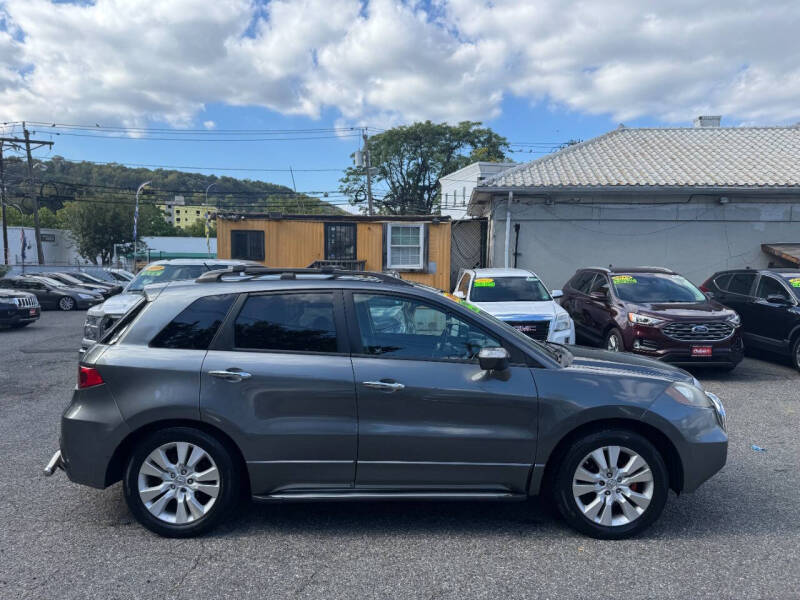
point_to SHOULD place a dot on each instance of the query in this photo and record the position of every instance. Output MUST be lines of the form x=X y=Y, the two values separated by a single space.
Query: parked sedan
x=70 y=280
x=17 y=309
x=87 y=279
x=767 y=301
x=654 y=312
x=52 y=294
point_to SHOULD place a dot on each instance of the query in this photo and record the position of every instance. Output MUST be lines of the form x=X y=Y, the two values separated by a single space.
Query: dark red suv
x=654 y=312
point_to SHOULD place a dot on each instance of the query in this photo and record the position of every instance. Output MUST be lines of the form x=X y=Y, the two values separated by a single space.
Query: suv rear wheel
x=611 y=484
x=796 y=353
x=180 y=482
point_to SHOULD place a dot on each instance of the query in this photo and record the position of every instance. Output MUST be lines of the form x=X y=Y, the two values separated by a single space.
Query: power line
x=98 y=127
x=205 y=168
x=208 y=139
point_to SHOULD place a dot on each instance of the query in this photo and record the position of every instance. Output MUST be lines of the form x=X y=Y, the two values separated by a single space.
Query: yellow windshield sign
x=795 y=282
x=484 y=282
x=617 y=279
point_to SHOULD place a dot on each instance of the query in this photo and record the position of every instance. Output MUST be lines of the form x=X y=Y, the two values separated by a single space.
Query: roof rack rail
x=246 y=272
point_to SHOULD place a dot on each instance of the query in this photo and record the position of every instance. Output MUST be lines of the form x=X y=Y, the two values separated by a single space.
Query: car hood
x=116 y=305
x=6 y=293
x=624 y=363
x=519 y=311
x=704 y=310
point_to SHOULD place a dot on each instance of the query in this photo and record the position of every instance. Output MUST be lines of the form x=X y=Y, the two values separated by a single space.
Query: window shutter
x=426 y=234
x=384 y=245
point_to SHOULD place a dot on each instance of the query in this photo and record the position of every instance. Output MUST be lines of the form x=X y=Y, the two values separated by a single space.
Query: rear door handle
x=383 y=385
x=232 y=375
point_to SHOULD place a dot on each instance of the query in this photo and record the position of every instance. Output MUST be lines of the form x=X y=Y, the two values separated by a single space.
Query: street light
x=136 y=219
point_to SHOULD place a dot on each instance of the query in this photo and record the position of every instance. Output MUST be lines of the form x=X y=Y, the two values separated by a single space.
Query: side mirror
x=459 y=294
x=599 y=295
x=556 y=294
x=778 y=299
x=493 y=359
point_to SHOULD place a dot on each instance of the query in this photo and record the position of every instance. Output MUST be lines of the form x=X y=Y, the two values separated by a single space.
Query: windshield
x=521 y=338
x=508 y=289
x=164 y=273
x=655 y=287
x=793 y=281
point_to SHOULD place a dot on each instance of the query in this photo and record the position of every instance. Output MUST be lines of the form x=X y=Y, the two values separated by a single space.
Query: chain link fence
x=467 y=246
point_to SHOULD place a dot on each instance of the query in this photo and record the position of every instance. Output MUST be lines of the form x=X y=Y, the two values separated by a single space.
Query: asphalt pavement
x=738 y=536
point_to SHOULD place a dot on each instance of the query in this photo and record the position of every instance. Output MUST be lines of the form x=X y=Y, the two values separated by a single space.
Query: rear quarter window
x=722 y=281
x=196 y=325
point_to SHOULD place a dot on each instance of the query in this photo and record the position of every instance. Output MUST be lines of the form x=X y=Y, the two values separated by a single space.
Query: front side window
x=403 y=328
x=405 y=247
x=655 y=287
x=287 y=322
x=196 y=325
x=769 y=286
x=247 y=245
x=582 y=281
x=599 y=284
x=340 y=241
x=508 y=289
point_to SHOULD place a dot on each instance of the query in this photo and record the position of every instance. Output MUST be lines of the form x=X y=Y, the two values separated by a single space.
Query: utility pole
x=3 y=206
x=28 y=141
x=369 y=171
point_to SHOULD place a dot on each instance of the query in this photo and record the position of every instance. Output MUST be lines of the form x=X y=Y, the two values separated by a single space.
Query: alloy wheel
x=179 y=483
x=613 y=486
x=612 y=343
x=66 y=303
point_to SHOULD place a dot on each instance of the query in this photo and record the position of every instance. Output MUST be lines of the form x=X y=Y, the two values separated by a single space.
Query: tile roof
x=674 y=157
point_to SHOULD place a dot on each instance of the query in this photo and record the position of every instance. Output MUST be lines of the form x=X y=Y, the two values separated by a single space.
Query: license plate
x=32 y=312
x=701 y=350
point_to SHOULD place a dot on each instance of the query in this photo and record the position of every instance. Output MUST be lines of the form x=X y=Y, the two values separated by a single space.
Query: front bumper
x=651 y=342
x=15 y=315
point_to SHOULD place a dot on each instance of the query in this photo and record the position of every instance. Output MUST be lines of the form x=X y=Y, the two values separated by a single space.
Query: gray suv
x=302 y=384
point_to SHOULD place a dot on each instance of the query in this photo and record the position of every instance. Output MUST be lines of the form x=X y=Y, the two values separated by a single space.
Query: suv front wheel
x=180 y=482
x=611 y=484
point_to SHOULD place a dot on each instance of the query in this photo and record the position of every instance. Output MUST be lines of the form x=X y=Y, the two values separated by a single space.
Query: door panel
x=429 y=417
x=771 y=321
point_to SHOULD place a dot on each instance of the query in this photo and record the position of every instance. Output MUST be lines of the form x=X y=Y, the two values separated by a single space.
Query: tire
x=614 y=337
x=67 y=303
x=634 y=509
x=796 y=353
x=199 y=509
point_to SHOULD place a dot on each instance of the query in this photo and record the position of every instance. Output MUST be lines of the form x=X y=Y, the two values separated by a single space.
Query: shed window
x=247 y=245
x=405 y=247
x=340 y=241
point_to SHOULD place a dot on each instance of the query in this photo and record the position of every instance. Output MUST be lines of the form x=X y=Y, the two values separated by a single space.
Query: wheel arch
x=662 y=443
x=116 y=465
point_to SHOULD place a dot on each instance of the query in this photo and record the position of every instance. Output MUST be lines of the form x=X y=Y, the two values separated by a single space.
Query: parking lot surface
x=738 y=536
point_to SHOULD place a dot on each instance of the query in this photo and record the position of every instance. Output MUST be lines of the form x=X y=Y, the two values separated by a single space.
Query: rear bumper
x=92 y=428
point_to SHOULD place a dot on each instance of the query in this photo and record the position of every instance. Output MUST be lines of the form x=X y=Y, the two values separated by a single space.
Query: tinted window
x=655 y=287
x=195 y=327
x=600 y=283
x=299 y=322
x=722 y=281
x=508 y=289
x=247 y=245
x=403 y=328
x=741 y=283
x=582 y=281
x=769 y=286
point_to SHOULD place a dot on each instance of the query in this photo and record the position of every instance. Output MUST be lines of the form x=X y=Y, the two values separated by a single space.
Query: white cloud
x=136 y=61
x=209 y=124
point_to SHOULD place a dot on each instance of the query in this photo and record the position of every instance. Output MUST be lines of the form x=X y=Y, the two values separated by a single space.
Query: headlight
x=562 y=322
x=87 y=296
x=689 y=395
x=638 y=319
x=91 y=329
x=8 y=301
x=734 y=320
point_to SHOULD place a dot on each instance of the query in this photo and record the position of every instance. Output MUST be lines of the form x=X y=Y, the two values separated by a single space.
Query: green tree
x=198 y=229
x=410 y=159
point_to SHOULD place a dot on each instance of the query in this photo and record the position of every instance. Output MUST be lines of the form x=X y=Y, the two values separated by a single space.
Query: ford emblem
x=699 y=329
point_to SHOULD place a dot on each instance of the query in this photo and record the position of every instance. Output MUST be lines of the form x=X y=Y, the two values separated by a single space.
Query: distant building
x=57 y=244
x=162 y=247
x=183 y=215
x=456 y=188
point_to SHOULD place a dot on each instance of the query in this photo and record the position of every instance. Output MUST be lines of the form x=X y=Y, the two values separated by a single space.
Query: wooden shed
x=416 y=247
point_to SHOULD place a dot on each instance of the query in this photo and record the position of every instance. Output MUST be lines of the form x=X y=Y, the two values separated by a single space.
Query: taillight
x=88 y=377
x=704 y=286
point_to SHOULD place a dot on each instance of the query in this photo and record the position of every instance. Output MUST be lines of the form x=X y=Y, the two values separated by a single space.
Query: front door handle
x=232 y=375
x=385 y=386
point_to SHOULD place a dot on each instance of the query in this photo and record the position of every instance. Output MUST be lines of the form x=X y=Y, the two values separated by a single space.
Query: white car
x=519 y=298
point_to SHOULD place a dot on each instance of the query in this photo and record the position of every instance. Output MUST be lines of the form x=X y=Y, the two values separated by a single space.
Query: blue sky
x=534 y=70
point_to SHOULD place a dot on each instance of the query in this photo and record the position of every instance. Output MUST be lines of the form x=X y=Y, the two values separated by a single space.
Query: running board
x=371 y=496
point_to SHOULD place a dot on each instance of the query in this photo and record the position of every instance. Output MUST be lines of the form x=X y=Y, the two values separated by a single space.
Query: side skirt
x=351 y=495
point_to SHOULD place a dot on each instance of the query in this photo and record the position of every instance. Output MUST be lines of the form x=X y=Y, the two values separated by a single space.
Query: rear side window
x=722 y=281
x=741 y=283
x=196 y=325
x=287 y=322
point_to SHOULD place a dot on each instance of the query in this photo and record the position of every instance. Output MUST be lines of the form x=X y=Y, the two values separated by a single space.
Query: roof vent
x=707 y=121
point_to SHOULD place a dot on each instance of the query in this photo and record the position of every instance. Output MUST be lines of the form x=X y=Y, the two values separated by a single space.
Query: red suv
x=654 y=312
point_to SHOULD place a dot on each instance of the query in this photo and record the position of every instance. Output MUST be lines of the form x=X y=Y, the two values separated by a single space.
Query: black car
x=69 y=280
x=51 y=293
x=90 y=280
x=17 y=309
x=767 y=301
